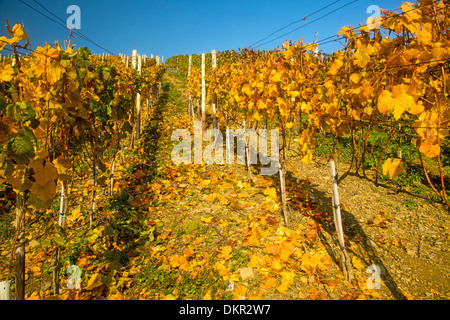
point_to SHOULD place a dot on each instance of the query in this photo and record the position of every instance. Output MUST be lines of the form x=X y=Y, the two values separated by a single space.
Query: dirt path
x=407 y=237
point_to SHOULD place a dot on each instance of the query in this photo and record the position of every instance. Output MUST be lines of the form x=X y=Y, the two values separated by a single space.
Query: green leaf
x=3 y=104
x=10 y=110
x=22 y=105
x=9 y=167
x=46 y=243
x=21 y=147
x=36 y=203
x=59 y=241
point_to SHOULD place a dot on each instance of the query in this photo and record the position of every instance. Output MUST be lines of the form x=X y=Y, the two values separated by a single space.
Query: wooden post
x=111 y=175
x=203 y=95
x=94 y=193
x=227 y=138
x=138 y=104
x=62 y=205
x=190 y=107
x=5 y=290
x=214 y=65
x=19 y=254
x=247 y=153
x=134 y=59
x=56 y=266
x=283 y=192
x=346 y=265
x=157 y=60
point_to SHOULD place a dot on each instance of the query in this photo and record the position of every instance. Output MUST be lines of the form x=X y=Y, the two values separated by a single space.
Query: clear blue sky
x=171 y=27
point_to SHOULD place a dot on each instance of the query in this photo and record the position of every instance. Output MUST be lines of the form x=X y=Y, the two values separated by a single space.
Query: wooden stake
x=138 y=104
x=190 y=107
x=247 y=153
x=19 y=254
x=134 y=59
x=94 y=195
x=214 y=64
x=346 y=265
x=203 y=95
x=283 y=192
x=111 y=175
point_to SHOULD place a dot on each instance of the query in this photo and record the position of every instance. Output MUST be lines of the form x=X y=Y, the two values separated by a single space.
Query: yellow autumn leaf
x=19 y=33
x=357 y=263
x=287 y=276
x=257 y=296
x=354 y=77
x=344 y=207
x=174 y=262
x=247 y=89
x=362 y=58
x=417 y=108
x=225 y=253
x=386 y=166
x=62 y=164
x=234 y=277
x=256 y=116
x=94 y=282
x=205 y=182
x=207 y=296
x=384 y=101
x=282 y=288
x=335 y=67
x=3 y=42
x=184 y=264
x=269 y=283
x=271 y=193
x=221 y=269
x=239 y=291
x=307 y=158
x=429 y=149
x=199 y=240
x=223 y=223
x=287 y=279
x=393 y=167
x=345 y=31
x=311 y=262
x=76 y=213
x=402 y=102
x=289 y=125
x=438 y=52
x=34 y=296
x=211 y=197
x=6 y=73
x=207 y=220
x=295 y=94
